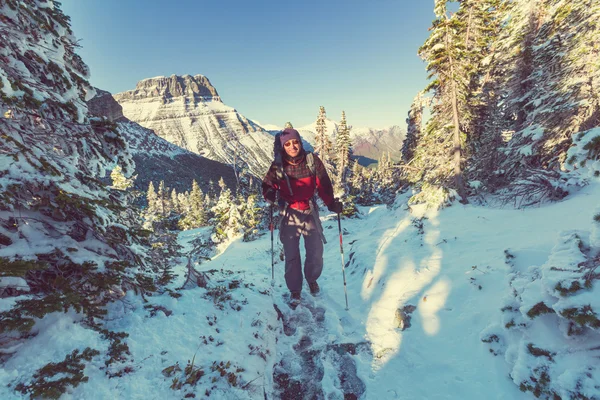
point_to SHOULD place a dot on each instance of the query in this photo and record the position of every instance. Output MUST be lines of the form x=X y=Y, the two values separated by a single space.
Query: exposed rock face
x=169 y=87
x=187 y=111
x=103 y=105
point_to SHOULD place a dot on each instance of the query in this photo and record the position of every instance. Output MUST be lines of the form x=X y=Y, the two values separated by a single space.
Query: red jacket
x=302 y=183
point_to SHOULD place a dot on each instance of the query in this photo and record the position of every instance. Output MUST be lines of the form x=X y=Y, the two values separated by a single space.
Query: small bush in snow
x=192 y=375
x=539 y=309
x=585 y=152
x=53 y=380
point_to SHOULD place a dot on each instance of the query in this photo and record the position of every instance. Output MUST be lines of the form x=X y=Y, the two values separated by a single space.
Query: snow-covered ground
x=451 y=265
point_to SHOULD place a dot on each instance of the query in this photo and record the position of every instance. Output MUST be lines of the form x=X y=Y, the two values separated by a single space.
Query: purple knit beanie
x=289 y=134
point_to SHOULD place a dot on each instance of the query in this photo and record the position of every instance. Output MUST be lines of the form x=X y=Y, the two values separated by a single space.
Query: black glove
x=335 y=206
x=282 y=204
x=270 y=196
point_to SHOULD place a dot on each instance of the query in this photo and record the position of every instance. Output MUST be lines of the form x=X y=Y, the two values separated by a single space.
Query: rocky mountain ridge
x=170 y=87
x=188 y=112
x=155 y=158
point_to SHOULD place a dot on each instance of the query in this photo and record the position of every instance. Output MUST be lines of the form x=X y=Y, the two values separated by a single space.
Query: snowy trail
x=447 y=271
x=312 y=364
x=319 y=345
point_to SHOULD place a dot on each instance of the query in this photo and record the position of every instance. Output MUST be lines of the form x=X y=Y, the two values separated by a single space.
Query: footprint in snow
x=299 y=372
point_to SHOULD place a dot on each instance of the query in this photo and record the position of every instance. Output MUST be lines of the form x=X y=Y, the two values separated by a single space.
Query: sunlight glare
x=381 y=260
x=435 y=300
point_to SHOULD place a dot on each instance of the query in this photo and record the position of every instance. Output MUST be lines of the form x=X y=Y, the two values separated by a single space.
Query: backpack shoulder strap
x=310 y=162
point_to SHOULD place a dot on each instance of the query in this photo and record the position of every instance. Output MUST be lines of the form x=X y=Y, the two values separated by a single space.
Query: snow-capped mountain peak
x=188 y=112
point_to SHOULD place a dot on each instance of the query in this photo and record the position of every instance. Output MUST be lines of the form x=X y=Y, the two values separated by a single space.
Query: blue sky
x=274 y=61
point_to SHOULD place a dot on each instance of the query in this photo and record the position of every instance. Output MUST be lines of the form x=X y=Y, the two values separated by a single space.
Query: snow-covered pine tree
x=483 y=121
x=438 y=155
x=65 y=236
x=211 y=194
x=550 y=91
x=208 y=205
x=222 y=213
x=516 y=48
x=151 y=197
x=527 y=84
x=195 y=217
x=458 y=54
x=414 y=128
x=361 y=187
x=162 y=200
x=119 y=181
x=251 y=218
x=183 y=202
x=343 y=149
x=323 y=146
x=152 y=210
x=481 y=21
x=175 y=202
x=384 y=180
x=355 y=181
x=486 y=141
x=368 y=192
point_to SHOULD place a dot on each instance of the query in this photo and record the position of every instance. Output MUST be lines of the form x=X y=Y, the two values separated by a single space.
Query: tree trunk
x=469 y=27
x=458 y=178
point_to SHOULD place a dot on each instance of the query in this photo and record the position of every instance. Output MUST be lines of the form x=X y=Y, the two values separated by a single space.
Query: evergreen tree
x=322 y=142
x=151 y=197
x=455 y=54
x=359 y=189
x=514 y=82
x=343 y=150
x=183 y=203
x=251 y=217
x=196 y=215
x=222 y=186
x=151 y=213
x=208 y=204
x=224 y=214
x=211 y=194
x=482 y=118
x=414 y=127
x=550 y=86
x=175 y=202
x=161 y=201
x=119 y=181
x=486 y=143
x=71 y=242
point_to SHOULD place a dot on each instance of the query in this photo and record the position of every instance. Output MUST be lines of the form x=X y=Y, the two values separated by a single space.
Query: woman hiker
x=298 y=177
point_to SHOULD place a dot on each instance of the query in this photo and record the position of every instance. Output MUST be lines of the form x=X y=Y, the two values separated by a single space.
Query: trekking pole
x=343 y=265
x=271 y=228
